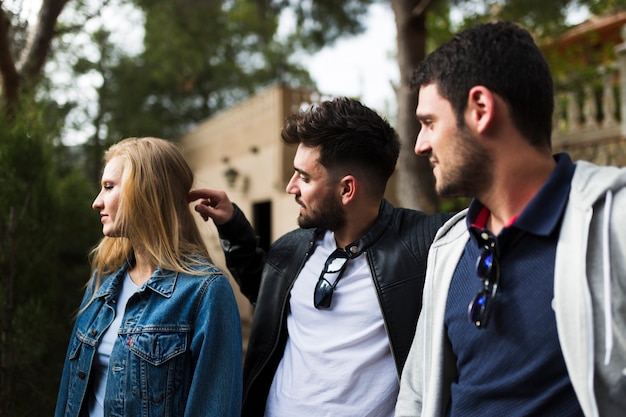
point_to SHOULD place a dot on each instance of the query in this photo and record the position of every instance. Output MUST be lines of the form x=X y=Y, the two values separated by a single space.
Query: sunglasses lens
x=477 y=311
x=484 y=264
x=323 y=294
x=488 y=271
x=335 y=265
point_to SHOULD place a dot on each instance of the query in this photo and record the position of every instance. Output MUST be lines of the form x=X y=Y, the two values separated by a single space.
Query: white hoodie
x=589 y=302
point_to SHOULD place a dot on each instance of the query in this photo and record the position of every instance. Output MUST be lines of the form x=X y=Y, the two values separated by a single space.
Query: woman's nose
x=97 y=203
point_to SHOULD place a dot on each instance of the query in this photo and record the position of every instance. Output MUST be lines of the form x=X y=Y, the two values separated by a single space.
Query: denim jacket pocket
x=157 y=362
x=78 y=344
x=78 y=365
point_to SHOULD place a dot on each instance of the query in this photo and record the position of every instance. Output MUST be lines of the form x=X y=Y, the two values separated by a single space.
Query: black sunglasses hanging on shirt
x=488 y=270
x=333 y=268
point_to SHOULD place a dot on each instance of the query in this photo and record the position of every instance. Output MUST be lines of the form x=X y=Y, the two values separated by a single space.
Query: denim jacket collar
x=161 y=282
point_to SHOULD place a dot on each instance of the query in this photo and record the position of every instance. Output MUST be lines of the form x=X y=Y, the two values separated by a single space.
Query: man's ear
x=480 y=108
x=348 y=187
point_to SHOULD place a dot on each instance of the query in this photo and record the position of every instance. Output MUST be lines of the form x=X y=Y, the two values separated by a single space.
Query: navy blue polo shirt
x=514 y=366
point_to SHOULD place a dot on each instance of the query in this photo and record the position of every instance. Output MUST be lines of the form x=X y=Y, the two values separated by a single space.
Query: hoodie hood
x=592 y=183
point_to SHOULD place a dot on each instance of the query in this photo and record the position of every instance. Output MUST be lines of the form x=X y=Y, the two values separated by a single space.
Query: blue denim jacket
x=177 y=353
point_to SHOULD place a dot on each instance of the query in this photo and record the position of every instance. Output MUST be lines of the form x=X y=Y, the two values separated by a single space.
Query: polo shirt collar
x=542 y=214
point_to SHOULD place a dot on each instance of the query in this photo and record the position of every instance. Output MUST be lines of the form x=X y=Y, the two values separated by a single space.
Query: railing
x=592 y=109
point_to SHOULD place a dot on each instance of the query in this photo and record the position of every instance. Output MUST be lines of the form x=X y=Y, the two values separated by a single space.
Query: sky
x=361 y=66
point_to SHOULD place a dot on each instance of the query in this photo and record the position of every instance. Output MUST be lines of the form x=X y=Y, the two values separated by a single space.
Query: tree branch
x=8 y=72
x=420 y=8
x=38 y=45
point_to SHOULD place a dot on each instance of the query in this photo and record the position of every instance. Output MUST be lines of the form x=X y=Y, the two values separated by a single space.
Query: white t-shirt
x=103 y=353
x=337 y=362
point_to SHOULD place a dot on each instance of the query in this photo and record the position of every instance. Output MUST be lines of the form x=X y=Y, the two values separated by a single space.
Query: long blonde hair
x=153 y=212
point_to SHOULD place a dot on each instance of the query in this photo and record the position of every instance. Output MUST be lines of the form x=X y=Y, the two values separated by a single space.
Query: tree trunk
x=36 y=51
x=32 y=59
x=9 y=86
x=416 y=184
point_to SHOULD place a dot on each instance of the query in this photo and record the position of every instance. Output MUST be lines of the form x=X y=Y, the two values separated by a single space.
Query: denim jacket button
x=94 y=332
x=81 y=375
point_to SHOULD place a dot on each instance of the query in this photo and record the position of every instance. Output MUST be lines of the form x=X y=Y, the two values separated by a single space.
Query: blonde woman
x=158 y=330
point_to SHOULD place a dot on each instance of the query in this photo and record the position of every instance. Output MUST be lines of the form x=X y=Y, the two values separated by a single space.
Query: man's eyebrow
x=301 y=172
x=423 y=116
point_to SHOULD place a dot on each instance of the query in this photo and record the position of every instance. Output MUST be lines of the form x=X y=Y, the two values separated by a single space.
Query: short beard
x=473 y=172
x=328 y=216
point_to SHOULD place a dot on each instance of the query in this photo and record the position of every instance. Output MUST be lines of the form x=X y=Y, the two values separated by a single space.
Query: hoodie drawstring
x=606 y=258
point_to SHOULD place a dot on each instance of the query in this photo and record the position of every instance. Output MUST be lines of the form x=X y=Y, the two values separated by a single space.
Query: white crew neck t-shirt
x=105 y=347
x=337 y=362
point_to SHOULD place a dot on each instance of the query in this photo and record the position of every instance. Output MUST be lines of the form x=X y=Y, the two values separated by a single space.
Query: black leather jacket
x=396 y=248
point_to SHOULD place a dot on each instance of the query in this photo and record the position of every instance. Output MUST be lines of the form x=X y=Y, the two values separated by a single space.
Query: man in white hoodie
x=524 y=306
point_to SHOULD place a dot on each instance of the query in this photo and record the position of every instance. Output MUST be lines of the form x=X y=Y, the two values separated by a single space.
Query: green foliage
x=197 y=58
x=449 y=205
x=438 y=25
x=46 y=229
x=201 y=57
x=599 y=7
x=541 y=17
x=545 y=19
x=321 y=22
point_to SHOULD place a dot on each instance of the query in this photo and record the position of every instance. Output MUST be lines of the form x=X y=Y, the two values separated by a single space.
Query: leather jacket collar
x=356 y=248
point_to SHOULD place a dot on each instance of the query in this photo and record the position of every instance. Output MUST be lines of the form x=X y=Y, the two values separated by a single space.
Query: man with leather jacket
x=337 y=300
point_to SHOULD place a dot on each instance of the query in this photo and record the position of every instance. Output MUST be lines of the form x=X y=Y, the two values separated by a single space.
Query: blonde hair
x=153 y=215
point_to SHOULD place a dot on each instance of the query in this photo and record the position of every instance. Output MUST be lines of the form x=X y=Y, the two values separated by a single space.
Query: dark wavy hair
x=351 y=138
x=504 y=58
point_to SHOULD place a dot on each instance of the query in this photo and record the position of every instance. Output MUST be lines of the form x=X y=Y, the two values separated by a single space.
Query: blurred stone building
x=589 y=67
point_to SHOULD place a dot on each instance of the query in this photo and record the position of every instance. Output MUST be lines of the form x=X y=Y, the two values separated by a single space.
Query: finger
x=203 y=210
x=194 y=195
